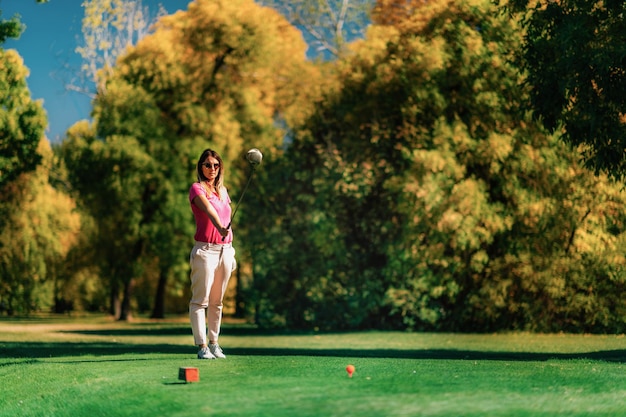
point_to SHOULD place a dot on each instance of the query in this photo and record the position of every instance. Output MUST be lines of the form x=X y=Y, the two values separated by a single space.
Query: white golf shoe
x=216 y=351
x=205 y=353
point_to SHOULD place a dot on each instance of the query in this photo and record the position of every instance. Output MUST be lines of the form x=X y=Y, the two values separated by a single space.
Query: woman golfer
x=212 y=258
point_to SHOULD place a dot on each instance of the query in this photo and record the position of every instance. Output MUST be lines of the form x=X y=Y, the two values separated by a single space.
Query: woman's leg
x=203 y=262
x=225 y=268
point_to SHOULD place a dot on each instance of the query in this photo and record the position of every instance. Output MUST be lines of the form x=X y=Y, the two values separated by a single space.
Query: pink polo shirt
x=205 y=230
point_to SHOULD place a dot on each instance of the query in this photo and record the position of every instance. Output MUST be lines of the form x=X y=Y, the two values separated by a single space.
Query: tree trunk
x=125 y=313
x=114 y=302
x=239 y=301
x=158 y=312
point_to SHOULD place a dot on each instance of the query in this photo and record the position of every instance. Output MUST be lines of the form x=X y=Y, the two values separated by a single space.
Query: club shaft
x=239 y=202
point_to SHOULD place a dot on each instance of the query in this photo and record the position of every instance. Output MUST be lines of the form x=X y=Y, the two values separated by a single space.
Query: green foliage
x=22 y=121
x=24 y=232
x=11 y=28
x=573 y=53
x=37 y=223
x=420 y=195
x=116 y=183
x=217 y=75
x=407 y=187
x=40 y=228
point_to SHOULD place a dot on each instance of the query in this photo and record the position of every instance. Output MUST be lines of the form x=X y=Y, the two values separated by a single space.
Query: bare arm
x=203 y=204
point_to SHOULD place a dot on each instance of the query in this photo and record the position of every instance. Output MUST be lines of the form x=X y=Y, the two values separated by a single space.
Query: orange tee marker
x=189 y=374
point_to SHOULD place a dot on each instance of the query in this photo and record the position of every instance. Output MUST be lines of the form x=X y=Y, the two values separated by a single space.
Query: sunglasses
x=209 y=165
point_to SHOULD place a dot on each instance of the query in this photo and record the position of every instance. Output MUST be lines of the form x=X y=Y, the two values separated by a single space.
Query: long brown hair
x=219 y=180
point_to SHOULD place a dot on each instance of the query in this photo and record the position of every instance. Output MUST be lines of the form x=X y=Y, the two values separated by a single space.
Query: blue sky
x=48 y=44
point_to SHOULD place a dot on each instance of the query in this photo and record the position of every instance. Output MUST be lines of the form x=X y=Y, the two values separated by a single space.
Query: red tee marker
x=350 y=370
x=189 y=374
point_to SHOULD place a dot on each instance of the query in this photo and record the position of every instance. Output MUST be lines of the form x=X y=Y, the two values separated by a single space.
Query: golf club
x=254 y=157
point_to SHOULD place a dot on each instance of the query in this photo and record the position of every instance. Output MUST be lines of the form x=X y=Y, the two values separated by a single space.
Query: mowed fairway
x=97 y=367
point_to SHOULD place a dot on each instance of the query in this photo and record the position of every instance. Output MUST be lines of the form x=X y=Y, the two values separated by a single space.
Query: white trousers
x=211 y=267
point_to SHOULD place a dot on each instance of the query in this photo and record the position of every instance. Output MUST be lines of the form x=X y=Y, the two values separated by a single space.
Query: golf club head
x=254 y=156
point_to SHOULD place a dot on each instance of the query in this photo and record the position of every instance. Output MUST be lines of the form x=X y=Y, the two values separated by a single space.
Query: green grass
x=96 y=367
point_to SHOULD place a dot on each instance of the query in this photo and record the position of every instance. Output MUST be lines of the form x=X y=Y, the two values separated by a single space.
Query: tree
x=22 y=121
x=422 y=196
x=37 y=225
x=113 y=181
x=218 y=75
x=41 y=228
x=573 y=53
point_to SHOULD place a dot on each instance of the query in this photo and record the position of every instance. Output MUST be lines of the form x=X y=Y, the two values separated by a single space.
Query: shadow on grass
x=148 y=329
x=443 y=354
x=136 y=330
x=76 y=349
x=104 y=350
x=35 y=350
